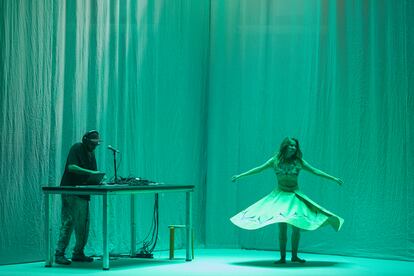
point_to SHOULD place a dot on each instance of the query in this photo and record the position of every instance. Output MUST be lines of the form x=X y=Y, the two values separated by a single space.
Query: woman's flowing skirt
x=293 y=208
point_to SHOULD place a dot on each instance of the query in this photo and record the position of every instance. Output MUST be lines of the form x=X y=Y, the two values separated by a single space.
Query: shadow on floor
x=118 y=263
x=271 y=263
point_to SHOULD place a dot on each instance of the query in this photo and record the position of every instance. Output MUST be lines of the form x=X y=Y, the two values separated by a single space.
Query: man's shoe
x=81 y=258
x=61 y=259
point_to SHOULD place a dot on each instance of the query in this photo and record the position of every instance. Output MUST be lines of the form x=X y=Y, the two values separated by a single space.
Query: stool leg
x=171 y=243
x=192 y=243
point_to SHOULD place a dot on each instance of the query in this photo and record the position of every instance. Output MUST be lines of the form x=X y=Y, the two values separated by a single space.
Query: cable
x=149 y=246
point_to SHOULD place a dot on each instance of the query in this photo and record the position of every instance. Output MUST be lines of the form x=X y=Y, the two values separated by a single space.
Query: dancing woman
x=286 y=204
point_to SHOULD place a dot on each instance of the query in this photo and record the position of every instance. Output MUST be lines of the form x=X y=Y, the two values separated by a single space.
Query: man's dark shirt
x=80 y=156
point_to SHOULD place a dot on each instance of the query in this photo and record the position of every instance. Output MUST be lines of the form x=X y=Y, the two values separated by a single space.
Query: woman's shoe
x=297 y=260
x=281 y=261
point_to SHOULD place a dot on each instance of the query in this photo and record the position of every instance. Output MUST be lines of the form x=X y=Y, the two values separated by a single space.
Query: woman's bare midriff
x=288 y=183
x=287 y=179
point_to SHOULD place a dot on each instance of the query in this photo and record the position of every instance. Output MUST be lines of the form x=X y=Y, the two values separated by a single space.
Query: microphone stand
x=116 y=178
x=114 y=151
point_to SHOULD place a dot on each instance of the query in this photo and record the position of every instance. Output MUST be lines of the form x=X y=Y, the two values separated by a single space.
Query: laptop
x=95 y=179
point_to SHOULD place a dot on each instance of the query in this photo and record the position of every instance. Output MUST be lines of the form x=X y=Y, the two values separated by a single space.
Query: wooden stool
x=172 y=238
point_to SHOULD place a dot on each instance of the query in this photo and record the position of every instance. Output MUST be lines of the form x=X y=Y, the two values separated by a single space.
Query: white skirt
x=293 y=208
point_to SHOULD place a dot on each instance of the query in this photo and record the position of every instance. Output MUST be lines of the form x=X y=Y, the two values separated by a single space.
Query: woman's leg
x=282 y=242
x=295 y=245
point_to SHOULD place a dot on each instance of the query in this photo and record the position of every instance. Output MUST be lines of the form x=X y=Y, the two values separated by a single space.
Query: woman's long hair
x=281 y=155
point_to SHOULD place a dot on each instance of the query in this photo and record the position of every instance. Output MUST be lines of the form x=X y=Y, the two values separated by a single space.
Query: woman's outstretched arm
x=318 y=172
x=258 y=169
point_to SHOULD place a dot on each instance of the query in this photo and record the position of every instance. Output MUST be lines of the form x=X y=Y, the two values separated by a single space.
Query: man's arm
x=79 y=170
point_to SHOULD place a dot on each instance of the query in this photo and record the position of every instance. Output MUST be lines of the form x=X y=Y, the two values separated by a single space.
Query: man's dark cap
x=93 y=137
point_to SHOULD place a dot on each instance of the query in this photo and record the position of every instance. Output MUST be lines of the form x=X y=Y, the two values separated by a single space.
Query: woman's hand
x=235 y=177
x=340 y=181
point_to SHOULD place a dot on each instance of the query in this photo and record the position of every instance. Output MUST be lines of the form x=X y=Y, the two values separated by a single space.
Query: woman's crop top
x=288 y=169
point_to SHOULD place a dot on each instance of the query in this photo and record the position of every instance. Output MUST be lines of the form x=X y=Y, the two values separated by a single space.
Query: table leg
x=48 y=231
x=105 y=257
x=189 y=228
x=133 y=227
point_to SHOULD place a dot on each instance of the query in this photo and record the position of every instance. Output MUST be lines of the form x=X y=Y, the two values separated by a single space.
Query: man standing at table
x=80 y=164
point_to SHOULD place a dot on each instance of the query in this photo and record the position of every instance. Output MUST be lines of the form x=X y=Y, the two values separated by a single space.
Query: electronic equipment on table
x=134 y=181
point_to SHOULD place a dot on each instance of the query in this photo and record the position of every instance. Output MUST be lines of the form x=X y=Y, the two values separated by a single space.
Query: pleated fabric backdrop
x=193 y=92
